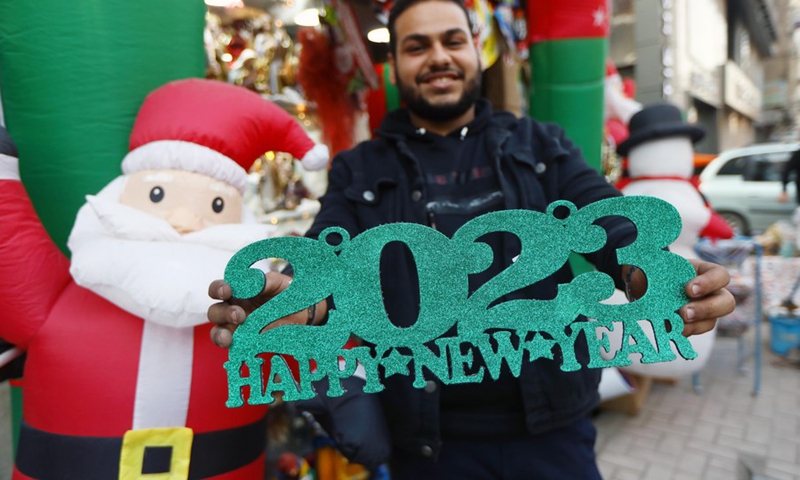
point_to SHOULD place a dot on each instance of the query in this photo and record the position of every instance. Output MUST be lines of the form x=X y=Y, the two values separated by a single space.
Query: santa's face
x=188 y=201
x=126 y=246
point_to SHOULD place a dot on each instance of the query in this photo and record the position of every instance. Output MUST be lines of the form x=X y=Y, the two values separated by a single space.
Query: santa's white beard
x=141 y=264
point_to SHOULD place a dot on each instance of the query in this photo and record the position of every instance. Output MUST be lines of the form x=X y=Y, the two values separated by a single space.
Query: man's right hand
x=783 y=197
x=230 y=312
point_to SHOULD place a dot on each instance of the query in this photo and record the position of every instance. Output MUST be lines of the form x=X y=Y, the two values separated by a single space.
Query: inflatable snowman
x=661 y=164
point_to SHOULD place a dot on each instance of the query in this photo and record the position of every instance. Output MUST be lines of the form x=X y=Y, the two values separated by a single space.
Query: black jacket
x=379 y=182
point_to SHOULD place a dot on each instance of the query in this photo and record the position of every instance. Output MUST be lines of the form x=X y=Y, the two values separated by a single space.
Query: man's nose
x=184 y=220
x=439 y=55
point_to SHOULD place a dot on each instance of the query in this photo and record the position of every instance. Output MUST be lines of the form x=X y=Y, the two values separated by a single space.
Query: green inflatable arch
x=72 y=77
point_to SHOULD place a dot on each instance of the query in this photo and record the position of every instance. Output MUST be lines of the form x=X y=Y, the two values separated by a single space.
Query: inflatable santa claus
x=618 y=104
x=122 y=379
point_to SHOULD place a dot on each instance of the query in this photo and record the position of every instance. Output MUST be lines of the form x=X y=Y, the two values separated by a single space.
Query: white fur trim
x=9 y=167
x=316 y=158
x=188 y=156
x=164 y=381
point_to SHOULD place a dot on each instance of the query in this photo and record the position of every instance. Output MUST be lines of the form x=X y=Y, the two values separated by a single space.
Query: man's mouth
x=441 y=78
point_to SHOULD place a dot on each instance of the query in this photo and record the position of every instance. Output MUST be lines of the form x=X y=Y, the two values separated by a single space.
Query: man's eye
x=156 y=194
x=218 y=205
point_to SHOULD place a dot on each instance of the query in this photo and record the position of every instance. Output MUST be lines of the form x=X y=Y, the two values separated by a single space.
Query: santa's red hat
x=214 y=128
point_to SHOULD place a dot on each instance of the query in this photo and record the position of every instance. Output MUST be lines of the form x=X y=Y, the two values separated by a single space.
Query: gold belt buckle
x=173 y=446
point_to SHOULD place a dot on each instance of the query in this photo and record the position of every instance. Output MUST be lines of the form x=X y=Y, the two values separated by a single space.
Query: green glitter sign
x=349 y=271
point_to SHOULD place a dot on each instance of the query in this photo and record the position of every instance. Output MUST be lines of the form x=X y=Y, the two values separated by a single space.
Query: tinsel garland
x=324 y=84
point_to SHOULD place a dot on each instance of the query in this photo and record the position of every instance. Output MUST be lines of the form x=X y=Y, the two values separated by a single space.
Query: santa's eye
x=156 y=194
x=218 y=204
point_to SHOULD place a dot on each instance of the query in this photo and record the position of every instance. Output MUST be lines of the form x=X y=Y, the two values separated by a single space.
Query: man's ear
x=392 y=69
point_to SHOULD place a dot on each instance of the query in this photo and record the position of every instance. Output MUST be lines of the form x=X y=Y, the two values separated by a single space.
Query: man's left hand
x=708 y=298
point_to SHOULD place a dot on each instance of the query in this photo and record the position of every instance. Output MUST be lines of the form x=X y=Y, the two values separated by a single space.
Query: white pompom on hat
x=214 y=128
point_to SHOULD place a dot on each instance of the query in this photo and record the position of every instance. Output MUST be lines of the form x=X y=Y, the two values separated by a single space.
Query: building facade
x=781 y=103
x=711 y=58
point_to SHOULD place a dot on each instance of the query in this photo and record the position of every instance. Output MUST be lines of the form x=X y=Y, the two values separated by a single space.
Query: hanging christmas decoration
x=335 y=72
x=247 y=46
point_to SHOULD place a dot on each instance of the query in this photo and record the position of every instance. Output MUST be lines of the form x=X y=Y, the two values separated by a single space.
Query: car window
x=734 y=166
x=766 y=167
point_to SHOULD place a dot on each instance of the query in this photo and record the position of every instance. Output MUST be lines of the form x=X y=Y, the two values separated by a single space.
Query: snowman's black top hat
x=660 y=120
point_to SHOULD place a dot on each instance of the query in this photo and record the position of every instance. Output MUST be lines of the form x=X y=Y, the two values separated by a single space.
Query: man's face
x=188 y=201
x=436 y=64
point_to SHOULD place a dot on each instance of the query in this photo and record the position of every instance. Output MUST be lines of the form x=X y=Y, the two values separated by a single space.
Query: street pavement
x=722 y=433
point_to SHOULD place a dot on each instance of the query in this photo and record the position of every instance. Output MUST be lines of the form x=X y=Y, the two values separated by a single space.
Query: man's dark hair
x=401 y=6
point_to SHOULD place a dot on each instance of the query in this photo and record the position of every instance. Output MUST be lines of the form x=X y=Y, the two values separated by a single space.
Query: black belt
x=50 y=456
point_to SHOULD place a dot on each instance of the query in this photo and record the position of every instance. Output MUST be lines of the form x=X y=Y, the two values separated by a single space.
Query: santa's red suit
x=95 y=372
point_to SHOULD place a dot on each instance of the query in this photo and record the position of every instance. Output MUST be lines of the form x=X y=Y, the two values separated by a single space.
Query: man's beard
x=418 y=105
x=141 y=264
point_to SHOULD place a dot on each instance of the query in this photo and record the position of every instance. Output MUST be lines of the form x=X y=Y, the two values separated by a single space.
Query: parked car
x=743 y=186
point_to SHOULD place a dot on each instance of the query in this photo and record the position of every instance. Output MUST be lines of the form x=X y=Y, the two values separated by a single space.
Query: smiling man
x=442 y=160
x=440 y=80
